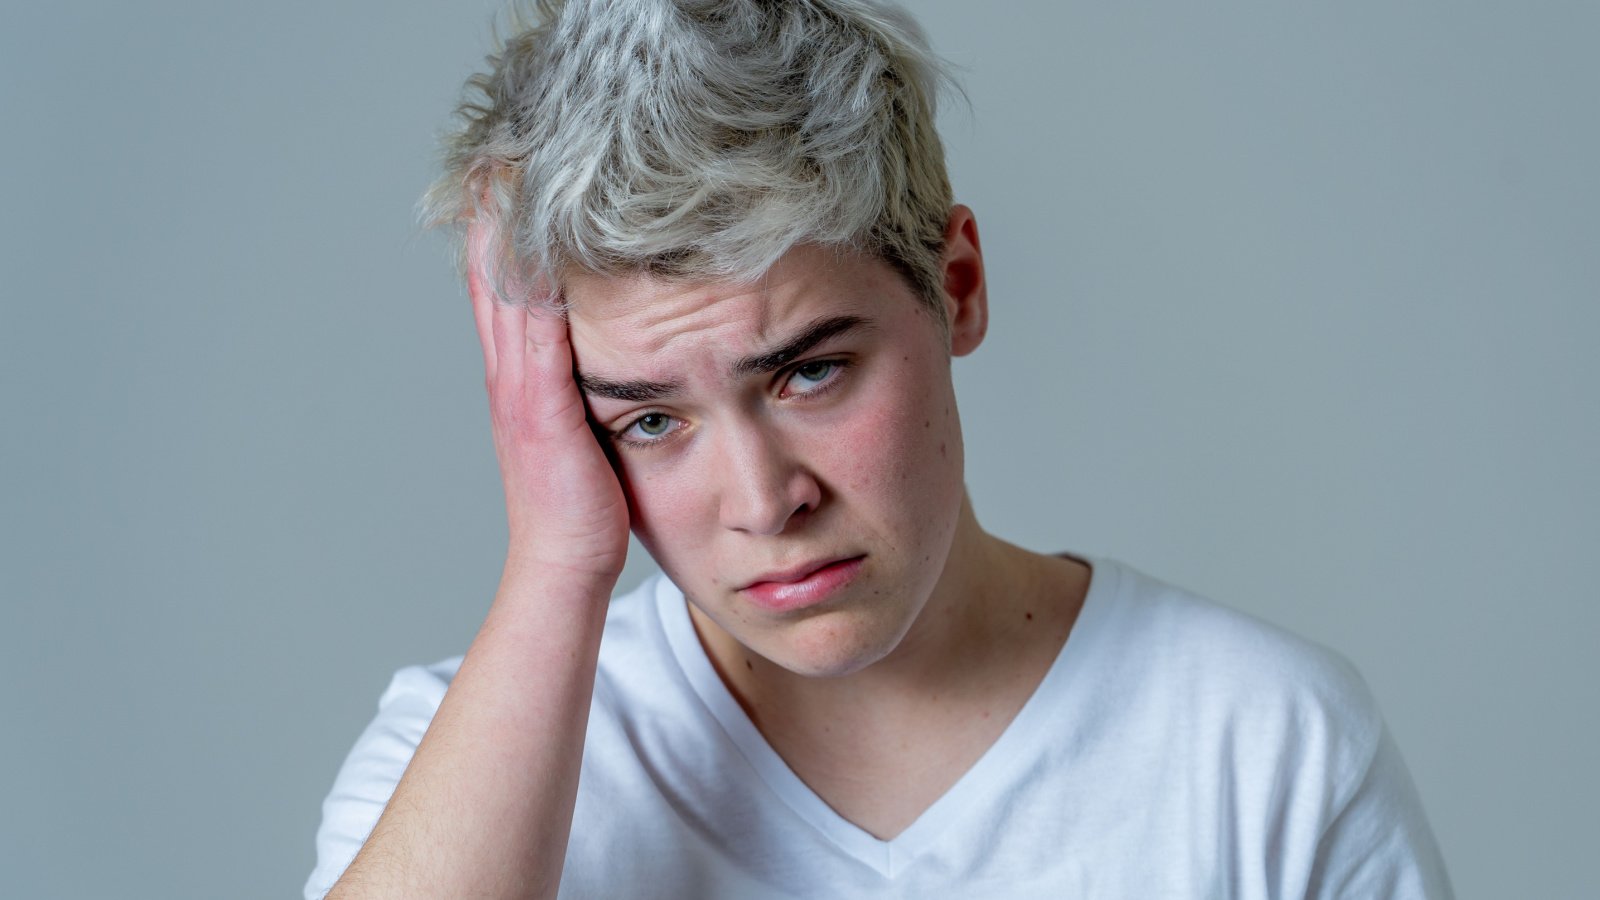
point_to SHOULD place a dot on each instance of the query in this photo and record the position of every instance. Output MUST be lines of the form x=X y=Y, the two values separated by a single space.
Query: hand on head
x=565 y=507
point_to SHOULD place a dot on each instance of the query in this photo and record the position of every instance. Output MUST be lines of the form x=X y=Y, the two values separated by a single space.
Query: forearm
x=485 y=806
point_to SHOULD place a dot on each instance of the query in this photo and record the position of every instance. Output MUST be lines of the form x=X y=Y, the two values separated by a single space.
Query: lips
x=802 y=586
x=795 y=573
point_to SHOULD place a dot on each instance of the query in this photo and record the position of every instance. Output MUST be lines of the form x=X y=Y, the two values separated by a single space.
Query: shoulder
x=1224 y=675
x=1282 y=732
x=1206 y=641
x=1269 y=741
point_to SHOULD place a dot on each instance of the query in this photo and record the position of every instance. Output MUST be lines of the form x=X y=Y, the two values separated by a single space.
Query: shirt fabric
x=1175 y=748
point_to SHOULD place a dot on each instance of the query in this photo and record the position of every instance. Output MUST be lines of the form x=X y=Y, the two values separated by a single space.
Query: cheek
x=665 y=502
x=903 y=444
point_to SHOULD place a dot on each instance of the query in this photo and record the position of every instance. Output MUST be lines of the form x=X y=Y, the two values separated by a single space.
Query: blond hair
x=702 y=139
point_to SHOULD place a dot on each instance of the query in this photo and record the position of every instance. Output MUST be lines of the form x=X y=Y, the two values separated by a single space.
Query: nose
x=764 y=486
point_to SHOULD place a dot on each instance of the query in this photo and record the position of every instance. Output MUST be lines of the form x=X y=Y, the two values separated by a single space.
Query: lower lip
x=785 y=596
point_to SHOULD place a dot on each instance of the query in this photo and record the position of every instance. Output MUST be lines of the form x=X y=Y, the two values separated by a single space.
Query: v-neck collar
x=996 y=768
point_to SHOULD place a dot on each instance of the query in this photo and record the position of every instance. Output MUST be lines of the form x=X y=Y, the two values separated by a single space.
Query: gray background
x=1294 y=304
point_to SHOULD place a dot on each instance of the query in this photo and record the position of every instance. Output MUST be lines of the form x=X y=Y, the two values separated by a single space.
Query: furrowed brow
x=631 y=391
x=795 y=347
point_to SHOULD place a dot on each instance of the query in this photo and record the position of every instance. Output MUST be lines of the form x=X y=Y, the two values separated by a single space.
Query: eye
x=650 y=428
x=653 y=424
x=814 y=376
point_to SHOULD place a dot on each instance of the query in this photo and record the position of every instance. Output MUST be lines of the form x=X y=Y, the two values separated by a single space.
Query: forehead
x=639 y=320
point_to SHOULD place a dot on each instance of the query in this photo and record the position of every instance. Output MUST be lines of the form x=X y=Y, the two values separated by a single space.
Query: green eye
x=815 y=371
x=653 y=424
x=814 y=377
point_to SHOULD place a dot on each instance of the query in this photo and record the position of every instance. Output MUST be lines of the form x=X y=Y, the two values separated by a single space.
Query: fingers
x=510 y=346
x=483 y=304
x=546 y=364
x=526 y=355
x=482 y=293
x=549 y=354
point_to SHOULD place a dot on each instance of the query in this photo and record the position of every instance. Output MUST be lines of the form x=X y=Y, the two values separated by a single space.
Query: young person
x=719 y=277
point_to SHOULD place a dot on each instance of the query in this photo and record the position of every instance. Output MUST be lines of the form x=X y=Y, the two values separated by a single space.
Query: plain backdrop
x=1294 y=304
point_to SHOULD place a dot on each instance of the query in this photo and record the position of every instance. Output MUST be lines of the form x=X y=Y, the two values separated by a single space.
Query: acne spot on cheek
x=941 y=448
x=926 y=424
x=1029 y=615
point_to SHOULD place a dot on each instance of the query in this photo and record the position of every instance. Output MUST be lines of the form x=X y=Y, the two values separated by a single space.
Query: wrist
x=564 y=580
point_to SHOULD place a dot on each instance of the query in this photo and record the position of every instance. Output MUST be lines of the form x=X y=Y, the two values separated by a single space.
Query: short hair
x=701 y=139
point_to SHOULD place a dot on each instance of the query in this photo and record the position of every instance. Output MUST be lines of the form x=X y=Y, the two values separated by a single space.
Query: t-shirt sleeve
x=370 y=772
x=1378 y=845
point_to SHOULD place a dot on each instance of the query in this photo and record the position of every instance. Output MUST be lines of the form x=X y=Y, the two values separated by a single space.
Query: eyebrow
x=631 y=391
x=799 y=345
x=638 y=391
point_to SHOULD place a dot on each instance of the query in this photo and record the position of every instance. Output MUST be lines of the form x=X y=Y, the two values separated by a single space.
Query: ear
x=966 y=297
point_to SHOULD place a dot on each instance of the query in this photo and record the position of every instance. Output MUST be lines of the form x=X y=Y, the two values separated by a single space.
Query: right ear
x=966 y=293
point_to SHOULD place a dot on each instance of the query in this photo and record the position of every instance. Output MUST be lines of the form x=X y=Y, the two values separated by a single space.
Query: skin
x=769 y=471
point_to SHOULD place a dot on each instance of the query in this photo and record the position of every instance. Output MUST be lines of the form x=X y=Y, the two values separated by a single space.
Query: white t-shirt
x=1175 y=748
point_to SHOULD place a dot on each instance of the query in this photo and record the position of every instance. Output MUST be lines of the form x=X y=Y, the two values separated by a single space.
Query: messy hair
x=700 y=139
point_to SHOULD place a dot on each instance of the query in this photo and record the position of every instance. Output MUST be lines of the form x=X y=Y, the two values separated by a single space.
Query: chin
x=833 y=646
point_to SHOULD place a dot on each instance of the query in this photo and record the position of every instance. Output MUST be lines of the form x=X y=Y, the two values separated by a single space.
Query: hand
x=564 y=505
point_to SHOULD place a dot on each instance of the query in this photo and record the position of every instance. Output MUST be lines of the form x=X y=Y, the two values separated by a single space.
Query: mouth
x=804 y=585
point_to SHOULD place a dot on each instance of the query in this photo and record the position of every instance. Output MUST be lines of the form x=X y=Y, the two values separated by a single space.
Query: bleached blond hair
x=701 y=139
